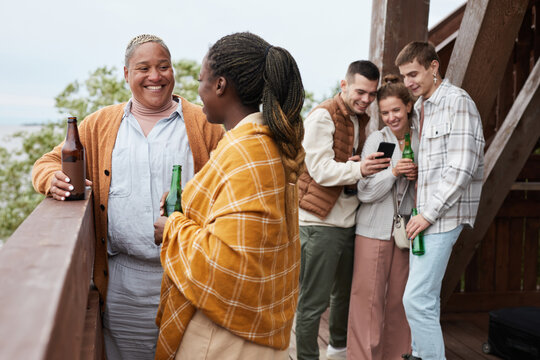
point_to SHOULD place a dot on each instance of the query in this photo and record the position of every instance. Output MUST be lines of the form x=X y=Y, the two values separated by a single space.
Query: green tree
x=103 y=87
x=309 y=103
x=186 y=76
x=17 y=196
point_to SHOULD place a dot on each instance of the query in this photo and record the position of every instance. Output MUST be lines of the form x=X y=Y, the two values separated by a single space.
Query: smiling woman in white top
x=378 y=327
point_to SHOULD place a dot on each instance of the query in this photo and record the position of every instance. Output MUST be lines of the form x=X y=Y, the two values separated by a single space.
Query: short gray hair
x=142 y=39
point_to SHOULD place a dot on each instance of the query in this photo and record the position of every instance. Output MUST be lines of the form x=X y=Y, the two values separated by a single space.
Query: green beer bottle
x=417 y=246
x=407 y=150
x=173 y=202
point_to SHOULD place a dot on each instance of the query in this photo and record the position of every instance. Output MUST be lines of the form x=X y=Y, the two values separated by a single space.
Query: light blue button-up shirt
x=140 y=174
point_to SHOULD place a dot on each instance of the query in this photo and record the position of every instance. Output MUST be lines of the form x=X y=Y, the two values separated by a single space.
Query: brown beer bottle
x=74 y=160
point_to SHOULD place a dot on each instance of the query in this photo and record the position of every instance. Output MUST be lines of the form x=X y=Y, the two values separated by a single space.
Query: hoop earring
x=434 y=79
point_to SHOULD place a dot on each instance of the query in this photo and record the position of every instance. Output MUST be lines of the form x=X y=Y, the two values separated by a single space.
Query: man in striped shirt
x=450 y=171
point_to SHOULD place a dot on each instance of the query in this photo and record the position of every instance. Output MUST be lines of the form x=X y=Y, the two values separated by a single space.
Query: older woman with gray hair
x=131 y=149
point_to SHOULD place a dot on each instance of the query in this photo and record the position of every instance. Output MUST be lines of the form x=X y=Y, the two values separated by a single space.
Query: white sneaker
x=333 y=353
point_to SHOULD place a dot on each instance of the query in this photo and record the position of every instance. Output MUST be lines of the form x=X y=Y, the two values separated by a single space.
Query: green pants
x=325 y=279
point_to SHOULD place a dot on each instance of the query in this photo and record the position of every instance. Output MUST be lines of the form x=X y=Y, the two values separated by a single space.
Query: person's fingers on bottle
x=59 y=194
x=61 y=182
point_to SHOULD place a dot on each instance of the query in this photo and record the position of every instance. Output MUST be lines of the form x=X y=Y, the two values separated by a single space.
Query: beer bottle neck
x=407 y=140
x=176 y=178
x=72 y=133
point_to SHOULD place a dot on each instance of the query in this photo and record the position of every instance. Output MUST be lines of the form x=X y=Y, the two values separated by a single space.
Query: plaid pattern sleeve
x=230 y=254
x=451 y=160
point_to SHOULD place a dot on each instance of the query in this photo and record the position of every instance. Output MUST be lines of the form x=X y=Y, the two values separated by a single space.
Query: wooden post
x=504 y=160
x=395 y=23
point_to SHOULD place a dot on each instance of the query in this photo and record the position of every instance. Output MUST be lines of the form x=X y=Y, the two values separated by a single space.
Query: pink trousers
x=378 y=328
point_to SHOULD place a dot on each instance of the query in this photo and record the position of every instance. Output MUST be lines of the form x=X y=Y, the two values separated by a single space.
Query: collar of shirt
x=177 y=113
x=435 y=98
x=255 y=118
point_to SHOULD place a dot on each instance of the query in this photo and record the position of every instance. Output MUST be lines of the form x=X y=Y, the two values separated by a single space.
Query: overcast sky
x=44 y=45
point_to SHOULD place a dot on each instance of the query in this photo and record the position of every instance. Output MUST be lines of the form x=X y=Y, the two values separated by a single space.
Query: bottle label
x=75 y=170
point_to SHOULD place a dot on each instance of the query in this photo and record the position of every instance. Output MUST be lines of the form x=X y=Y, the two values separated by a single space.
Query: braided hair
x=267 y=75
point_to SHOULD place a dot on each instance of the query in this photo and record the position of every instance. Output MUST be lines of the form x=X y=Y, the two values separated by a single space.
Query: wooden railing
x=48 y=309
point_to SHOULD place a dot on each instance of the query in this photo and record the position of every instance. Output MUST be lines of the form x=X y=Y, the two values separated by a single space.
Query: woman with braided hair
x=232 y=259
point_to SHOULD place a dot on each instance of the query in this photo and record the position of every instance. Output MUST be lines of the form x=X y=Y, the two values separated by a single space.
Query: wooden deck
x=464 y=334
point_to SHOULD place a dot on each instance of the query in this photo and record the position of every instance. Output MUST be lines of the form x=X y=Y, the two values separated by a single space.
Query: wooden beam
x=395 y=23
x=446 y=27
x=528 y=186
x=484 y=44
x=504 y=160
x=486 y=301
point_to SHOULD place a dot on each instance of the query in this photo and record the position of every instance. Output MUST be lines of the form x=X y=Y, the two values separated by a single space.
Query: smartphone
x=387 y=148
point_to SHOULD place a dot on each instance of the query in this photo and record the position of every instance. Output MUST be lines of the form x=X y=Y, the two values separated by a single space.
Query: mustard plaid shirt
x=230 y=255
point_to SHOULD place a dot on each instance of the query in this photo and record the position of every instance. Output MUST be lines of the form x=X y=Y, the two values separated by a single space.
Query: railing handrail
x=45 y=272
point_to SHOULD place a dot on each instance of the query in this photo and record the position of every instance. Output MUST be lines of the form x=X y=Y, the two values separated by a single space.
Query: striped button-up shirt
x=450 y=159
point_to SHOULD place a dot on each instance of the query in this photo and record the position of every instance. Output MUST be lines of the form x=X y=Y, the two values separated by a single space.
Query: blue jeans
x=422 y=297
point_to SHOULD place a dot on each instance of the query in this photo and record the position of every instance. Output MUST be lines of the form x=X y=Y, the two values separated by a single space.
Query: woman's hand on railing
x=60 y=186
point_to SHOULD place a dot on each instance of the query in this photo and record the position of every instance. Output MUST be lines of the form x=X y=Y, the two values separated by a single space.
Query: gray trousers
x=325 y=279
x=129 y=320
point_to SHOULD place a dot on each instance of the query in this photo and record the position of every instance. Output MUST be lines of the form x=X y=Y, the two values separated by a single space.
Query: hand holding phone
x=372 y=164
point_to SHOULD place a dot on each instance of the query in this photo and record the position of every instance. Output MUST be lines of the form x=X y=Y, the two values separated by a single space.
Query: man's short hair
x=363 y=67
x=421 y=51
x=142 y=39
